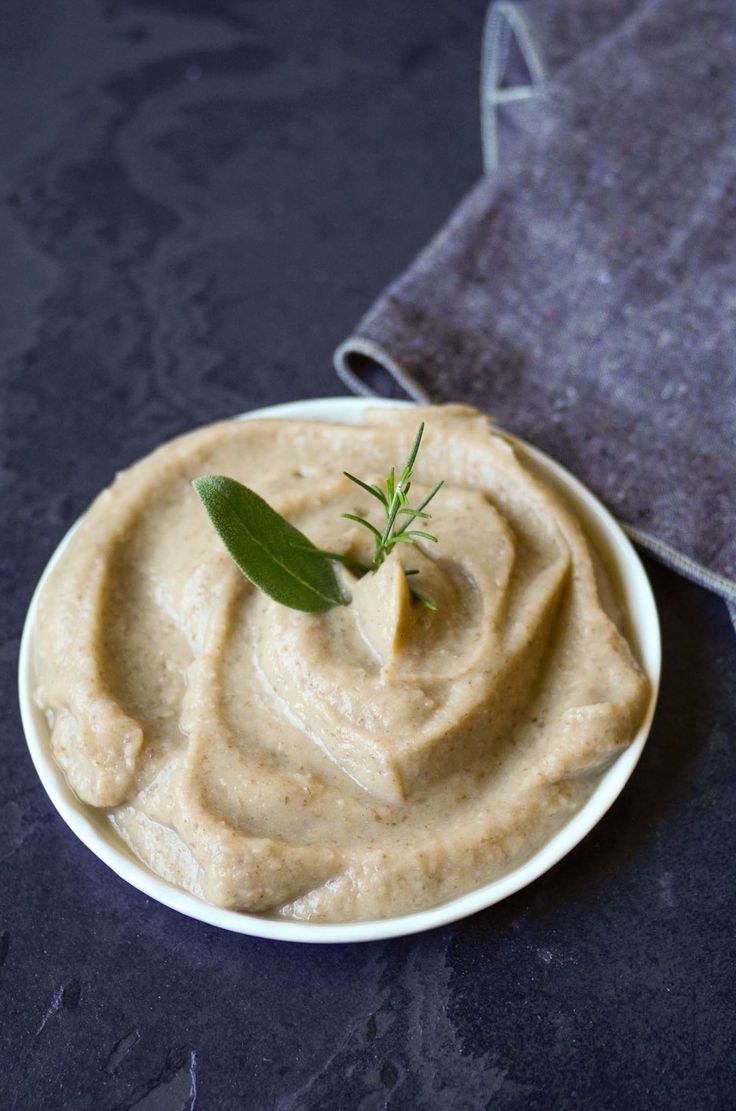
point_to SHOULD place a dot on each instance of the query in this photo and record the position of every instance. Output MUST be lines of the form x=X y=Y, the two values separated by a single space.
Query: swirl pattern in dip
x=359 y=763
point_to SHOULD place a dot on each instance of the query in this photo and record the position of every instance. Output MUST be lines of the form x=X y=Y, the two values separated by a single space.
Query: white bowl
x=97 y=834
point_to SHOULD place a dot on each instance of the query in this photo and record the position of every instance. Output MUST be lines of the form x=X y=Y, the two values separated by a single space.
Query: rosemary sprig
x=395 y=503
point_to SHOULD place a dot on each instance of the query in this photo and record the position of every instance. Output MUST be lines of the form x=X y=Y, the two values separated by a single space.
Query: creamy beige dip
x=359 y=763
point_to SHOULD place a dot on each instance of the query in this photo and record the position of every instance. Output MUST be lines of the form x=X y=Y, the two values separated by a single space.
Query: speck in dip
x=360 y=763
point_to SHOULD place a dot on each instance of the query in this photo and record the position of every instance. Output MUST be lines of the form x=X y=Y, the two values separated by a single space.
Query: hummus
x=360 y=763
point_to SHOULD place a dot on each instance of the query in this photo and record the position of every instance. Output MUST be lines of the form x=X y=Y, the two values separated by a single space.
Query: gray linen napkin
x=584 y=293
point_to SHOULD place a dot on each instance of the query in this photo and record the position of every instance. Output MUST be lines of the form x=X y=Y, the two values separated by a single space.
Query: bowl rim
x=642 y=614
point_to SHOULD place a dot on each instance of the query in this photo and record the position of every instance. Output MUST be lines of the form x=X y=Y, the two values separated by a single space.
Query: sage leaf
x=274 y=555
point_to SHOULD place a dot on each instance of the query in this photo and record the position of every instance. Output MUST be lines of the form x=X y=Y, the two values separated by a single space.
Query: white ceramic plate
x=94 y=830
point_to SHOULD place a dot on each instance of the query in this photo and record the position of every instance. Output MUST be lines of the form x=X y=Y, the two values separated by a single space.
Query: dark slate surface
x=198 y=202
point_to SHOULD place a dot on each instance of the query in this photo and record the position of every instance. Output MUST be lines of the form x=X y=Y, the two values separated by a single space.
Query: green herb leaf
x=425 y=601
x=362 y=521
x=423 y=504
x=374 y=491
x=424 y=535
x=267 y=548
x=412 y=455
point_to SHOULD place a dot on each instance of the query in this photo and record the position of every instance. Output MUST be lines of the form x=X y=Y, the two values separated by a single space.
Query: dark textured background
x=198 y=202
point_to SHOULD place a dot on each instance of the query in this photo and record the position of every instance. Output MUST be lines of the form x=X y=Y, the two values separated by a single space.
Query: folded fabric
x=584 y=293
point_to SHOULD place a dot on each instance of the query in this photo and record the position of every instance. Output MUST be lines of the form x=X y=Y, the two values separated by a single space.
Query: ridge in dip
x=360 y=763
